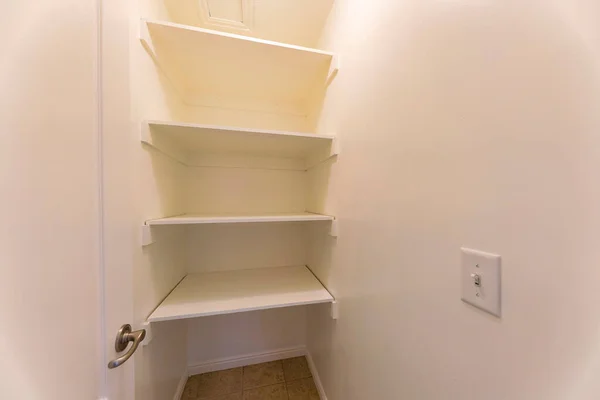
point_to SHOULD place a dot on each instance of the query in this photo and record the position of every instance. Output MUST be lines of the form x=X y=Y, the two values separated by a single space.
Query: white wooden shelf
x=226 y=292
x=226 y=70
x=185 y=142
x=238 y=218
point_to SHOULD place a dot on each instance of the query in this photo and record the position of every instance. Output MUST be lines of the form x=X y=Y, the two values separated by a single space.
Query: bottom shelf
x=226 y=292
x=239 y=218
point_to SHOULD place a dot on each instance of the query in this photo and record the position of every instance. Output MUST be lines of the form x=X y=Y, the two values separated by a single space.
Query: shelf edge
x=146 y=21
x=160 y=123
x=330 y=299
x=243 y=310
x=233 y=219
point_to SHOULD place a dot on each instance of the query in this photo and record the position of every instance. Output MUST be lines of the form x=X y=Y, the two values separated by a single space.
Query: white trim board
x=220 y=364
x=315 y=375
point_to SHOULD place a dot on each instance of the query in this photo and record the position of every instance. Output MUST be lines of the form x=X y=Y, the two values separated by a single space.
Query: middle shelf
x=185 y=141
x=227 y=292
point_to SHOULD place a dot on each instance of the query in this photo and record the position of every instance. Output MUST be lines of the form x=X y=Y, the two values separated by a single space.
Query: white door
x=50 y=311
x=118 y=228
x=65 y=254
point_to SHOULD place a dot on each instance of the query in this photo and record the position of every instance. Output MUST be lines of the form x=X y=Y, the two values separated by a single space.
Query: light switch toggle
x=477 y=283
x=477 y=291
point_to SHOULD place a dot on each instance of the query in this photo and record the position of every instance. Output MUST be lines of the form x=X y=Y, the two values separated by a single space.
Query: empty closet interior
x=232 y=177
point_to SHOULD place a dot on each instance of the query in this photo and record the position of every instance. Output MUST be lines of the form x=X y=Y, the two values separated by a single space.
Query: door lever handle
x=124 y=336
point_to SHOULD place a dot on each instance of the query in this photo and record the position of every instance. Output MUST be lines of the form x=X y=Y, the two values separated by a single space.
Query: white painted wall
x=219 y=338
x=475 y=124
x=49 y=299
x=244 y=190
x=222 y=247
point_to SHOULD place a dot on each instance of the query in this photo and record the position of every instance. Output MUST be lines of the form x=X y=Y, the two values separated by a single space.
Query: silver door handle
x=124 y=336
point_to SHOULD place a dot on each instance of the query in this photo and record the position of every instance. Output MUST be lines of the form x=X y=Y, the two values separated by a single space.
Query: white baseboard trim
x=181 y=385
x=247 y=359
x=315 y=374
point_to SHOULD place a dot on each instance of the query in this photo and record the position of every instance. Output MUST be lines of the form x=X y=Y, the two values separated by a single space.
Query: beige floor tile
x=272 y=392
x=263 y=374
x=295 y=368
x=190 y=392
x=218 y=383
x=302 y=389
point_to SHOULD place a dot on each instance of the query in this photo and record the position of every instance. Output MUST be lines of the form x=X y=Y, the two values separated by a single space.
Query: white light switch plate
x=486 y=266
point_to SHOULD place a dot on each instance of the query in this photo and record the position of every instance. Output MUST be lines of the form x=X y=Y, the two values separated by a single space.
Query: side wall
x=156 y=187
x=474 y=124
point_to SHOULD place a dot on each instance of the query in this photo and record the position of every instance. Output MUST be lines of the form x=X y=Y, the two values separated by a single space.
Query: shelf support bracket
x=146 y=235
x=335 y=147
x=145 y=136
x=334 y=230
x=335 y=310
x=147 y=139
x=334 y=68
x=333 y=150
x=145 y=38
x=148 y=327
x=146 y=41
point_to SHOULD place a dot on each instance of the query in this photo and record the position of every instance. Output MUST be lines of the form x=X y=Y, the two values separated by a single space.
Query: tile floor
x=288 y=379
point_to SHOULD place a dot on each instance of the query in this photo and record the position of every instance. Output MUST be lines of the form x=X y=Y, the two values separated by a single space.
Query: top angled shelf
x=222 y=69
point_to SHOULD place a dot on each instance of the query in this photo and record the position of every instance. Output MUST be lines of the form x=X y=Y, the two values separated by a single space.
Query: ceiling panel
x=225 y=9
x=297 y=22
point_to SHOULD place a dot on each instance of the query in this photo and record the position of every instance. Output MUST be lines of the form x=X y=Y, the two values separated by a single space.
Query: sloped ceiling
x=297 y=22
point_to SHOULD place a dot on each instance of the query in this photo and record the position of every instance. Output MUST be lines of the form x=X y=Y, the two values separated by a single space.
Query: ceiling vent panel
x=230 y=14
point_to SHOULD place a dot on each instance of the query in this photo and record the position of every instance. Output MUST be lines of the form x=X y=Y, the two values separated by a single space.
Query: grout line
x=243 y=373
